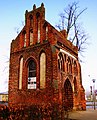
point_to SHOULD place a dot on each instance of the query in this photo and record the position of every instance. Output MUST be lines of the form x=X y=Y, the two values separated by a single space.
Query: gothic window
x=60 y=62
x=70 y=66
x=31 y=37
x=38 y=26
x=42 y=70
x=67 y=64
x=45 y=28
x=31 y=74
x=24 y=33
x=46 y=32
x=31 y=20
x=20 y=72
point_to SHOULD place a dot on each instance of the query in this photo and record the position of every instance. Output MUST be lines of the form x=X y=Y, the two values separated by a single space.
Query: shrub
x=33 y=112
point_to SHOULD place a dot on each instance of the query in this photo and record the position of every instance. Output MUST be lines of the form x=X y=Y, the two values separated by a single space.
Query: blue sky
x=13 y=13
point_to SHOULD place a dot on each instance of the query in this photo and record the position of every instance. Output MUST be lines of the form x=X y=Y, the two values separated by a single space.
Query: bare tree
x=69 y=21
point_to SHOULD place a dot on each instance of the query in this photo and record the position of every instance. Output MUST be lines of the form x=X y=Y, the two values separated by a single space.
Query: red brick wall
x=14 y=74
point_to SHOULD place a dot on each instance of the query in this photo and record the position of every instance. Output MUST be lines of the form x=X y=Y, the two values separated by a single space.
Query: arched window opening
x=42 y=70
x=38 y=26
x=60 y=62
x=67 y=64
x=31 y=37
x=70 y=65
x=68 y=95
x=46 y=32
x=38 y=33
x=31 y=20
x=24 y=34
x=31 y=74
x=20 y=72
x=45 y=28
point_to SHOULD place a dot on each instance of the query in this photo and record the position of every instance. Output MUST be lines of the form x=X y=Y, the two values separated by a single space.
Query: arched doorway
x=68 y=95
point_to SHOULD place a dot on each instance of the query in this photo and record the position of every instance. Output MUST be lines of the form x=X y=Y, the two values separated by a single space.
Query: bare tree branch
x=17 y=29
x=69 y=21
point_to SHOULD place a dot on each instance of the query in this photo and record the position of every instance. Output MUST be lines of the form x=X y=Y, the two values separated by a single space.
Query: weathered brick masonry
x=44 y=66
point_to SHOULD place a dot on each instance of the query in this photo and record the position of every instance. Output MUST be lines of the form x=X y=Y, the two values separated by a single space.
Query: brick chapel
x=44 y=66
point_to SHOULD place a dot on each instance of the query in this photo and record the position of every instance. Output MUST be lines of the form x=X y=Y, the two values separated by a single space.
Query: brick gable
x=63 y=70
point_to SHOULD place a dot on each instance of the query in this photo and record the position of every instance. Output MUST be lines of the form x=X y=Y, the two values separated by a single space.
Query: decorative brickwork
x=44 y=66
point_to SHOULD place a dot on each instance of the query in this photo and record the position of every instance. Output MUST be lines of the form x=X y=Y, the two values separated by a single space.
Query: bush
x=33 y=112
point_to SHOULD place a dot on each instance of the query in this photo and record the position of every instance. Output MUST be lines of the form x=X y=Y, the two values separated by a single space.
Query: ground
x=89 y=114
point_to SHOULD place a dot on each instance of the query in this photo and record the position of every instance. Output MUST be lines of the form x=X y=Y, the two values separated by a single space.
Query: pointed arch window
x=60 y=62
x=31 y=37
x=24 y=38
x=45 y=28
x=46 y=32
x=42 y=70
x=38 y=26
x=38 y=33
x=20 y=73
x=69 y=65
x=31 y=20
x=31 y=74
